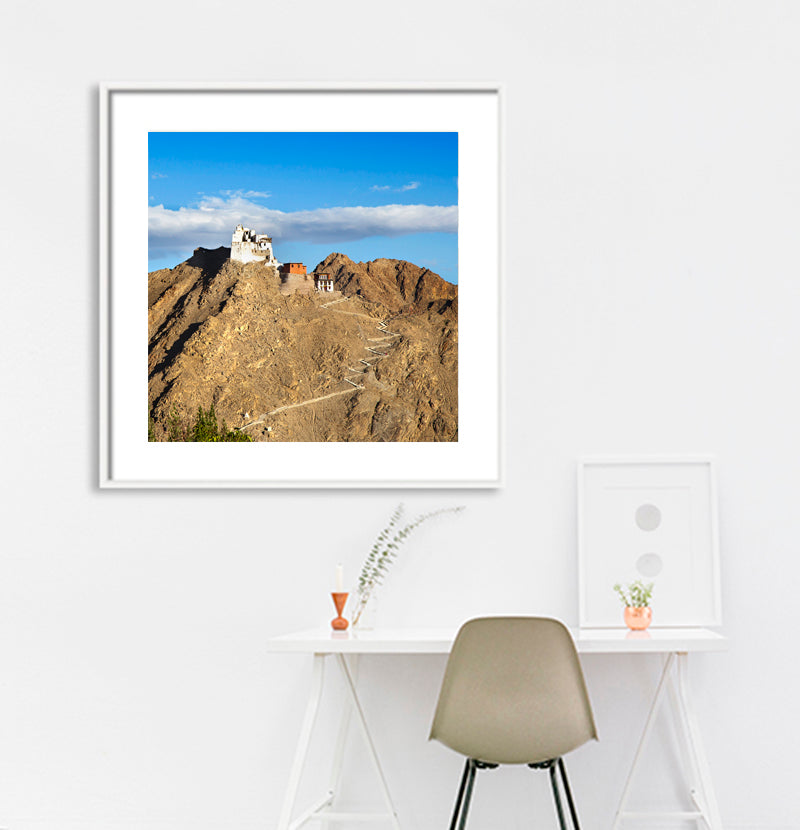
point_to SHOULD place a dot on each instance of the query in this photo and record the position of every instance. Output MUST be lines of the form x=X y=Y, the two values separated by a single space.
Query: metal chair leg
x=460 y=796
x=556 y=796
x=468 y=794
x=572 y=811
x=464 y=796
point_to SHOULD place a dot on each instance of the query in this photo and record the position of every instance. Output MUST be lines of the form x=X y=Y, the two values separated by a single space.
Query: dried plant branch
x=384 y=551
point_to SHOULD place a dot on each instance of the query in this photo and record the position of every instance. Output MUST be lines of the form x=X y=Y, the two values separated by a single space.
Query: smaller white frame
x=649 y=518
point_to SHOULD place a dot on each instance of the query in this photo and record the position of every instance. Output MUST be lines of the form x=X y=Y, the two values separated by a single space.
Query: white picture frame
x=654 y=519
x=128 y=112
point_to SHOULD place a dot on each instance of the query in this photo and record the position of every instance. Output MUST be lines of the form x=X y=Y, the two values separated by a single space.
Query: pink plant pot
x=637 y=619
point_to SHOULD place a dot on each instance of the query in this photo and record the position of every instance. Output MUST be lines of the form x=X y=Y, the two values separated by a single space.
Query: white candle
x=339 y=578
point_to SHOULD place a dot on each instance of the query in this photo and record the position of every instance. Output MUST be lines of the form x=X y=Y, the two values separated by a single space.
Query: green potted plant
x=636 y=598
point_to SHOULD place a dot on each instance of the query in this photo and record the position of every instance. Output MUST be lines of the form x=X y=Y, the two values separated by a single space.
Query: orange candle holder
x=339 y=623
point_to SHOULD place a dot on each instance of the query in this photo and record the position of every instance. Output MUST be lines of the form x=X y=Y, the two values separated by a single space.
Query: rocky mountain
x=379 y=365
x=394 y=283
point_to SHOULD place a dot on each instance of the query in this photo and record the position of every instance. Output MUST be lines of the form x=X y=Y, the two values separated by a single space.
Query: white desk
x=674 y=644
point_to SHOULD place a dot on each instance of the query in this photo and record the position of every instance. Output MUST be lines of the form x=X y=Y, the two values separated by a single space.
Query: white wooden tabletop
x=440 y=640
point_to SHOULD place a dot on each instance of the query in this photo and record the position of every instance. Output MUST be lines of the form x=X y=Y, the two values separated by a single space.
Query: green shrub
x=205 y=428
x=176 y=431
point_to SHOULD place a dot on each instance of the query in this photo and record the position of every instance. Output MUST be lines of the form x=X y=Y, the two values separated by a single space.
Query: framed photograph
x=307 y=276
x=649 y=519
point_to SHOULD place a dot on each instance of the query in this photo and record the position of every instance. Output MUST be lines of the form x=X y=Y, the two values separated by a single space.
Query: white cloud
x=211 y=222
x=402 y=189
x=159 y=176
x=247 y=194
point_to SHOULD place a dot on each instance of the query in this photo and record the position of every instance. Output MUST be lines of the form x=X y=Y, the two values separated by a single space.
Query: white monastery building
x=249 y=246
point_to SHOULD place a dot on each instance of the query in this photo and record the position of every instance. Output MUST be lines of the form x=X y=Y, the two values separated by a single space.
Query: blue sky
x=367 y=195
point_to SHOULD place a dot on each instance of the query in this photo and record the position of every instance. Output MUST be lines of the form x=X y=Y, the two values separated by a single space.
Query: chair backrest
x=513 y=692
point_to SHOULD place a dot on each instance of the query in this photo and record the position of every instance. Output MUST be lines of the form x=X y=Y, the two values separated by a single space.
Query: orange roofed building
x=292 y=268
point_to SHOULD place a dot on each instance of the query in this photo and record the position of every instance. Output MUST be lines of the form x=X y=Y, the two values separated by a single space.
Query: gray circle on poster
x=649 y=565
x=648 y=517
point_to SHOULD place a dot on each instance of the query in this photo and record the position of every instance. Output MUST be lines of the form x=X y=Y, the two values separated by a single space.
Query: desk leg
x=303 y=741
x=651 y=717
x=341 y=740
x=351 y=688
x=708 y=803
x=701 y=790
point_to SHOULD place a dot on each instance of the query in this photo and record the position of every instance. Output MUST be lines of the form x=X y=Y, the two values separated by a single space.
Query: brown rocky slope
x=291 y=368
x=394 y=283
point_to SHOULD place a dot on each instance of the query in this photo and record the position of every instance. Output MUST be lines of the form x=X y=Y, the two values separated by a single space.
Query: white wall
x=652 y=259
